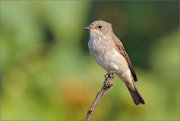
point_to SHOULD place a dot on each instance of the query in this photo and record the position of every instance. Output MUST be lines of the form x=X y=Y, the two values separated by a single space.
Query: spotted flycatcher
x=110 y=54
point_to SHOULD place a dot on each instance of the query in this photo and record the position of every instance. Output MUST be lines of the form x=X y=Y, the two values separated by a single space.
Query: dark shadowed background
x=47 y=73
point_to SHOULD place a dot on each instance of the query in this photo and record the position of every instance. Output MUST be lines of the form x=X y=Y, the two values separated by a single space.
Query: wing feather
x=121 y=49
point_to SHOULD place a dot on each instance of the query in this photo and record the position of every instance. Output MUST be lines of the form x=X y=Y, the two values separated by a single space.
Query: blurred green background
x=47 y=73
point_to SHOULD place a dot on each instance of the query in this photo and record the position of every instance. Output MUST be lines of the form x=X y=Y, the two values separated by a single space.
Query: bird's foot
x=107 y=82
x=110 y=74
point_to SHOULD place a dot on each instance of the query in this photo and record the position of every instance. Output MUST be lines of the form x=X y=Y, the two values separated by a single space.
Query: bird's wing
x=121 y=49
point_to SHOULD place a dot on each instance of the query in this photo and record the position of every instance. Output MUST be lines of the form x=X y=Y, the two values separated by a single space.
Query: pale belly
x=109 y=58
x=113 y=61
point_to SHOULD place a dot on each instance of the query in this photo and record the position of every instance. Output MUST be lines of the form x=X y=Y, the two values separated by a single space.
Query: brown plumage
x=121 y=49
x=110 y=54
x=137 y=98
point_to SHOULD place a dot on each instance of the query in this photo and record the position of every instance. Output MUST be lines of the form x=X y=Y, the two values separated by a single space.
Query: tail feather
x=137 y=98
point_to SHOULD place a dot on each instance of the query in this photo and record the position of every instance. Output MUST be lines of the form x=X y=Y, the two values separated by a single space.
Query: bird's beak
x=87 y=28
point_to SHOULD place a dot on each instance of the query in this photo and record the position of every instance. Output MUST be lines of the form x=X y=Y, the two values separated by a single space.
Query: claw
x=109 y=74
x=106 y=75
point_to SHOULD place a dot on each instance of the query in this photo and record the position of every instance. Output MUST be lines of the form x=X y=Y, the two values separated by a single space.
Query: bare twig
x=109 y=76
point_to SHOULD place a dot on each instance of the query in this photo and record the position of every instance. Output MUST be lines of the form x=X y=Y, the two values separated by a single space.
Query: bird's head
x=100 y=27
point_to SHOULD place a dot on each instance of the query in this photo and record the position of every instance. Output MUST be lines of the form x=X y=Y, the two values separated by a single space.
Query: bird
x=110 y=54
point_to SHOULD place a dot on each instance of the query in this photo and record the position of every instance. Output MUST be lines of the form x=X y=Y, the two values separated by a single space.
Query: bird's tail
x=137 y=98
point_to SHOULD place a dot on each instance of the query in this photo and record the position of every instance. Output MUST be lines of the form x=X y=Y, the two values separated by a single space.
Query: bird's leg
x=107 y=82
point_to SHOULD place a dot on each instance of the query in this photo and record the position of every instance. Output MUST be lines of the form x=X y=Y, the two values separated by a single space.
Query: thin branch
x=109 y=76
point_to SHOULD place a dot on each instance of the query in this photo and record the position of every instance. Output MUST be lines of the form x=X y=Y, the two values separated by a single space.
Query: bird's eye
x=99 y=26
